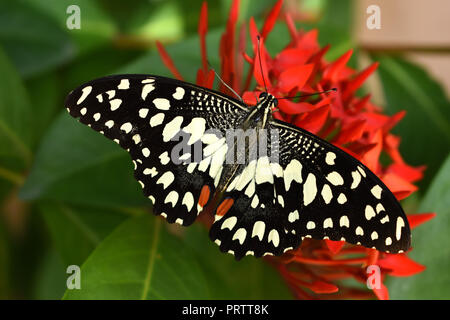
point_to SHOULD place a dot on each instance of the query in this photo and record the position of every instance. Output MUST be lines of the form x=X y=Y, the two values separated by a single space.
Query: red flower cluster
x=352 y=123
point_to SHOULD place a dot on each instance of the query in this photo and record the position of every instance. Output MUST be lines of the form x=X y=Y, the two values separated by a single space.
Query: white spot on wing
x=179 y=93
x=309 y=189
x=166 y=179
x=124 y=84
x=240 y=235
x=292 y=172
x=356 y=179
x=157 y=119
x=229 y=223
x=146 y=89
x=115 y=104
x=376 y=191
x=172 y=197
x=335 y=178
x=196 y=128
x=273 y=237
x=398 y=228
x=172 y=128
x=188 y=200
x=161 y=103
x=84 y=93
x=258 y=229
x=344 y=222
x=330 y=157
x=326 y=193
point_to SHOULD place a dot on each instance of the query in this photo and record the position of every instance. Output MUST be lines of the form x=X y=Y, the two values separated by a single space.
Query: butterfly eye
x=275 y=103
x=262 y=95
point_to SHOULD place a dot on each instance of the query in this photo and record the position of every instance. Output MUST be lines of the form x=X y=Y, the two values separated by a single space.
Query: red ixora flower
x=316 y=269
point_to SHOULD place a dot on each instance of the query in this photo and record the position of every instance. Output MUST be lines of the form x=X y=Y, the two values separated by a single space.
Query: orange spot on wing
x=224 y=206
x=204 y=196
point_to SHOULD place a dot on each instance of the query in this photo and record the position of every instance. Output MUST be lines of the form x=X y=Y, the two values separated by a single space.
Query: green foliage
x=79 y=203
x=430 y=244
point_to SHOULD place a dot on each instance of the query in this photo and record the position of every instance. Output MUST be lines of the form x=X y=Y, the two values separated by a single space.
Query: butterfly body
x=267 y=183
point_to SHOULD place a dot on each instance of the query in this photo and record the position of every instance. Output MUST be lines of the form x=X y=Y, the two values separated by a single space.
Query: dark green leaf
x=15 y=114
x=425 y=130
x=32 y=40
x=430 y=243
x=51 y=278
x=140 y=260
x=75 y=164
x=76 y=231
x=96 y=27
x=249 y=278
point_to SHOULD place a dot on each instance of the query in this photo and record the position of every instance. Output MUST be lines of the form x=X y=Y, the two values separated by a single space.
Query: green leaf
x=77 y=165
x=249 y=278
x=15 y=114
x=96 y=27
x=32 y=40
x=425 y=130
x=50 y=282
x=45 y=93
x=430 y=243
x=140 y=260
x=76 y=231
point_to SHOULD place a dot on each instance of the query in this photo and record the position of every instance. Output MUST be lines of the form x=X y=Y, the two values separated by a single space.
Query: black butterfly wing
x=328 y=194
x=166 y=125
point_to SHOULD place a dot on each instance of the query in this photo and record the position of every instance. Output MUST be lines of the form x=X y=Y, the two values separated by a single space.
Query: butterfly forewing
x=165 y=126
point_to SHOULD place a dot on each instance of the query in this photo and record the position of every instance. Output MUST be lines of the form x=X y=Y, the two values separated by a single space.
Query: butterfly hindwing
x=164 y=125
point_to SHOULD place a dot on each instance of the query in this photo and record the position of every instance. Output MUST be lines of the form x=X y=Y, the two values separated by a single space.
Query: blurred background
x=51 y=218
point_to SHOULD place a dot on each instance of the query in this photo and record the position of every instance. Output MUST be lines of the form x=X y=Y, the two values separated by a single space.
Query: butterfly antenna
x=311 y=94
x=223 y=82
x=260 y=63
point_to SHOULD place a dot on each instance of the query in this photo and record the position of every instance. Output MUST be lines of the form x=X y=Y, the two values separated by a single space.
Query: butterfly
x=264 y=204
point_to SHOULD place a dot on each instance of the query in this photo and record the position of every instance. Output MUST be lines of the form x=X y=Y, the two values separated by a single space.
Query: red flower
x=317 y=268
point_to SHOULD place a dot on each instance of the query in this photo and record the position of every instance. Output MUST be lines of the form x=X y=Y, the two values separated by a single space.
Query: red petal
x=354 y=84
x=371 y=157
x=417 y=219
x=294 y=77
x=351 y=131
x=203 y=21
x=321 y=287
x=382 y=293
x=399 y=265
x=202 y=30
x=361 y=103
x=334 y=246
x=314 y=120
x=271 y=19
x=333 y=70
x=398 y=186
x=291 y=57
x=168 y=61
x=290 y=107
x=250 y=97
x=410 y=174
x=309 y=40
x=291 y=27
x=261 y=78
